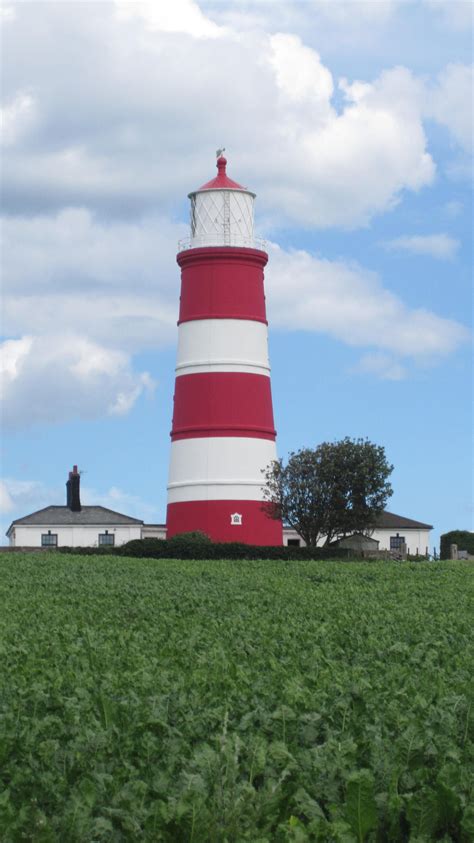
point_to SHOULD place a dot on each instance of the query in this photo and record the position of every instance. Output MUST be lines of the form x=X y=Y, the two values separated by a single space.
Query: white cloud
x=120 y=501
x=53 y=378
x=349 y=303
x=454 y=208
x=20 y=497
x=345 y=20
x=117 y=282
x=449 y=102
x=101 y=156
x=7 y=12
x=299 y=73
x=127 y=130
x=455 y=14
x=90 y=288
x=342 y=169
x=343 y=11
x=183 y=16
x=440 y=246
x=14 y=353
x=6 y=502
x=16 y=118
x=383 y=366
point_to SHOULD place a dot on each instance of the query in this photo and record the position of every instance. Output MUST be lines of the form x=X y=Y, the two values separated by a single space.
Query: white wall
x=154 y=531
x=73 y=536
x=416 y=540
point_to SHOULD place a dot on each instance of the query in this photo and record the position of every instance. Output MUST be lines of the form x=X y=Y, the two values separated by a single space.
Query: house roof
x=89 y=516
x=390 y=521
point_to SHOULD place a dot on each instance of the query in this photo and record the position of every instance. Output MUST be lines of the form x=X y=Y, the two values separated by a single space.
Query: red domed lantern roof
x=222 y=180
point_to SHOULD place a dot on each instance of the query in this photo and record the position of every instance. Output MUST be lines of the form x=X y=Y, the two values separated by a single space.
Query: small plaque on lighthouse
x=236 y=519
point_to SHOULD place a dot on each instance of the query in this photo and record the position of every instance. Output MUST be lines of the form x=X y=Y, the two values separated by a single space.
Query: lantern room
x=222 y=214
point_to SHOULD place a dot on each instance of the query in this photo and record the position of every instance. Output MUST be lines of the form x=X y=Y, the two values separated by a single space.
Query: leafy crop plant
x=222 y=702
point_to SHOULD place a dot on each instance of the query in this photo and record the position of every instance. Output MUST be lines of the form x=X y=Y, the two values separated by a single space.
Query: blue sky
x=352 y=121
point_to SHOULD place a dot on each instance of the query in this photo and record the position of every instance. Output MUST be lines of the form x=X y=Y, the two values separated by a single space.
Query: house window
x=396 y=542
x=49 y=539
x=106 y=539
x=236 y=518
x=294 y=542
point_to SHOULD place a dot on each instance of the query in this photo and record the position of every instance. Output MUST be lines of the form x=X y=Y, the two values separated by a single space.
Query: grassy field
x=234 y=701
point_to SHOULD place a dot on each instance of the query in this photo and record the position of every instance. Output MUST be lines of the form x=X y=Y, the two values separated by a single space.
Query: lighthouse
x=223 y=433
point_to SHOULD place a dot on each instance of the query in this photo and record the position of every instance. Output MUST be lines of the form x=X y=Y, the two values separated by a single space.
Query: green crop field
x=235 y=701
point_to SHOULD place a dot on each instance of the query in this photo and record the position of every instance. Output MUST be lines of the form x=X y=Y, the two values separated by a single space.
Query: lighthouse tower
x=223 y=432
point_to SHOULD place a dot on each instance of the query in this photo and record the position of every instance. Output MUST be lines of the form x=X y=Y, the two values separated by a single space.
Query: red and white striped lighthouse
x=223 y=432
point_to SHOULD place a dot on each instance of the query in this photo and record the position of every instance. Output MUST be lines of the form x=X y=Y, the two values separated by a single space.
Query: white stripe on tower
x=211 y=468
x=222 y=345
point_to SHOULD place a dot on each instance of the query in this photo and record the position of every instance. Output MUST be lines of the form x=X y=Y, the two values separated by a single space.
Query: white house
x=57 y=526
x=74 y=525
x=391 y=532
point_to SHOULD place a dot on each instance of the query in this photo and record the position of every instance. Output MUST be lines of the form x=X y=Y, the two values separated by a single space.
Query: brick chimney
x=73 y=496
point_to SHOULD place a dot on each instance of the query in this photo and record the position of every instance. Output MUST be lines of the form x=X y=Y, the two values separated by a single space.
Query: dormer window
x=236 y=519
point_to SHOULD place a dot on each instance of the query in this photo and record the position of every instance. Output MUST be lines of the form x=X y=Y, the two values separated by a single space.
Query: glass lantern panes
x=222 y=218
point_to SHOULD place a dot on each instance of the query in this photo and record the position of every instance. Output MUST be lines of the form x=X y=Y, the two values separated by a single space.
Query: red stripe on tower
x=223 y=434
x=222 y=284
x=223 y=404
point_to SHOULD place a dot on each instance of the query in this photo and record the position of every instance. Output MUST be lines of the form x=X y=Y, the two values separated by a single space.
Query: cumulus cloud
x=98 y=292
x=456 y=14
x=453 y=208
x=343 y=19
x=383 y=366
x=122 y=129
x=449 y=102
x=440 y=246
x=180 y=16
x=20 y=497
x=17 y=118
x=299 y=73
x=6 y=502
x=98 y=164
x=56 y=377
x=117 y=282
x=349 y=303
x=120 y=501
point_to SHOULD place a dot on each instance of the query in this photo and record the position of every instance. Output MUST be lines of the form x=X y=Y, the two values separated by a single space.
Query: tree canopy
x=330 y=491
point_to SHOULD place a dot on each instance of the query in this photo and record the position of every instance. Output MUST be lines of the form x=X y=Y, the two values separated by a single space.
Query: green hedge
x=181 y=548
x=463 y=538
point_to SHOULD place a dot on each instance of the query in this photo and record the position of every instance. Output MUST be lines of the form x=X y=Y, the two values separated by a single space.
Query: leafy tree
x=463 y=538
x=330 y=491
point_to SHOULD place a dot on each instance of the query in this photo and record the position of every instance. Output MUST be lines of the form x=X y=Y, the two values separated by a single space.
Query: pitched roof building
x=392 y=532
x=73 y=525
